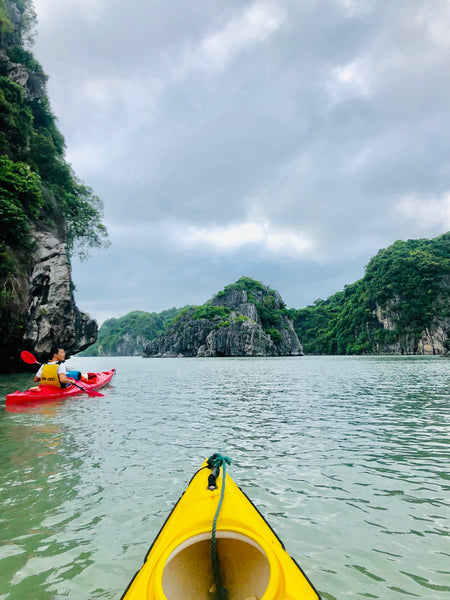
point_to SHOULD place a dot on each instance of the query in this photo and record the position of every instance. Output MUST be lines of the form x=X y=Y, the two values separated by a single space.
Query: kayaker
x=54 y=372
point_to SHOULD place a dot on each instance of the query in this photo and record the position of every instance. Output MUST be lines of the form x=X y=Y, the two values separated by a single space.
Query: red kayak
x=94 y=382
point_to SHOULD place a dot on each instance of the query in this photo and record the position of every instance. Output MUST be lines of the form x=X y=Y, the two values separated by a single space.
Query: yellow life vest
x=49 y=375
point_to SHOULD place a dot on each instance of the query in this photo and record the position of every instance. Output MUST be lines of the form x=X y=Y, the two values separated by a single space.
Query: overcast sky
x=284 y=140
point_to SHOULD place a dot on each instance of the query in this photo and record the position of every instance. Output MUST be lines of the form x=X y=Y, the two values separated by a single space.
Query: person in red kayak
x=54 y=372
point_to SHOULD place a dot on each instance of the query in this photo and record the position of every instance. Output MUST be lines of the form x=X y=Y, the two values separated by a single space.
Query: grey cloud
x=323 y=124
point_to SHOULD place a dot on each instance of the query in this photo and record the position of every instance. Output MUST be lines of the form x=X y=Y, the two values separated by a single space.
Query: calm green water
x=347 y=458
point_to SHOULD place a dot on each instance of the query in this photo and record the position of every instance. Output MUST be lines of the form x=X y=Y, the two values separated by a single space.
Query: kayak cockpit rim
x=246 y=567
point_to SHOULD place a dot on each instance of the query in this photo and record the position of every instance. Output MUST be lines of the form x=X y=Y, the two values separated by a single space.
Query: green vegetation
x=255 y=289
x=228 y=322
x=269 y=306
x=38 y=189
x=21 y=200
x=130 y=332
x=406 y=281
x=208 y=311
x=246 y=284
x=240 y=319
x=37 y=185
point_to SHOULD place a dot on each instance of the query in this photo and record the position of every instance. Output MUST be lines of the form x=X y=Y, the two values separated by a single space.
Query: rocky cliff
x=128 y=345
x=434 y=339
x=52 y=315
x=41 y=309
x=40 y=205
x=400 y=306
x=237 y=322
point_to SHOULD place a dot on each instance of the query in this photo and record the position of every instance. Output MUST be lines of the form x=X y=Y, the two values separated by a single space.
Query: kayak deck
x=40 y=393
x=252 y=560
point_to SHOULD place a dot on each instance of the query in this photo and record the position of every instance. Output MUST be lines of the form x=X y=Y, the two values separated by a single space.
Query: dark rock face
x=240 y=333
x=47 y=306
x=52 y=314
x=32 y=84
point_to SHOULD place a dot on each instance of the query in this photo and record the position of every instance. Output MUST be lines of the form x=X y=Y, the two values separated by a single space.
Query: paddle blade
x=28 y=358
x=92 y=393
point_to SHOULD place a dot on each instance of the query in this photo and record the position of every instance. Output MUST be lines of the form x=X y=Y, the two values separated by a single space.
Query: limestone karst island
x=400 y=306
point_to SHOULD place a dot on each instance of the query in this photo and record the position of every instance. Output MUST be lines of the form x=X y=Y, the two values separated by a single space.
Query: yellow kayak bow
x=252 y=561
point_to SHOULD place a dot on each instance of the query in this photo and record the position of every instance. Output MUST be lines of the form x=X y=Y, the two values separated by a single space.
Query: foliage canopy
x=132 y=330
x=37 y=185
x=409 y=281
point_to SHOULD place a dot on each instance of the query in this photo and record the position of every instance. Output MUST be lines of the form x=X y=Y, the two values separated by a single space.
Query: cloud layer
x=287 y=141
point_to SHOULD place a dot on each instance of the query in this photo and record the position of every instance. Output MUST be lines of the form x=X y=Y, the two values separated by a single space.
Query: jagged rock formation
x=33 y=85
x=232 y=324
x=52 y=316
x=42 y=310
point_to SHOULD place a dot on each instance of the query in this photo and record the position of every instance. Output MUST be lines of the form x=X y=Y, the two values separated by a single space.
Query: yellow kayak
x=215 y=545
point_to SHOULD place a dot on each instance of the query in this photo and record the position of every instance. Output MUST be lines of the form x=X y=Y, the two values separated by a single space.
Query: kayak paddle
x=28 y=358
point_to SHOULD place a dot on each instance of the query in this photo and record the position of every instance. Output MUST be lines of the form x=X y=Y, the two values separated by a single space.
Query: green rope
x=217 y=460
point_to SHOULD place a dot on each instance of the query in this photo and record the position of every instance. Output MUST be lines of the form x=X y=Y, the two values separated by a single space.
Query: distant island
x=127 y=335
x=247 y=318
x=400 y=306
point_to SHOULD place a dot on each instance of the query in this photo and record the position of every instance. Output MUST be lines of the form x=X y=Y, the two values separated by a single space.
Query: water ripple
x=346 y=457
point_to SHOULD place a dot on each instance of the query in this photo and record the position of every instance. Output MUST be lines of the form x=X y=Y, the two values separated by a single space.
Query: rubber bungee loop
x=217 y=461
